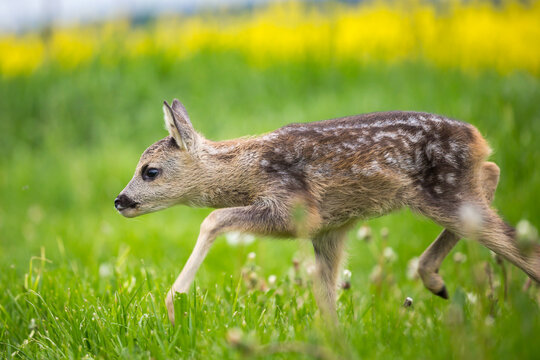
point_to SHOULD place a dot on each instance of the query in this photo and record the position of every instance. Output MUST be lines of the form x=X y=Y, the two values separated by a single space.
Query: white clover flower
x=389 y=254
x=105 y=270
x=376 y=274
x=235 y=238
x=472 y=219
x=526 y=230
x=364 y=233
x=472 y=297
x=272 y=279
x=234 y=336
x=251 y=256
x=412 y=268
x=459 y=257
x=143 y=317
x=347 y=275
x=408 y=302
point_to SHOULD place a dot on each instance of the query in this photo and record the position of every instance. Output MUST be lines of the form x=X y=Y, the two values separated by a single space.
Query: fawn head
x=167 y=171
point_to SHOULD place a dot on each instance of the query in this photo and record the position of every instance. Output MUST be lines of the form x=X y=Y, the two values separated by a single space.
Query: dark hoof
x=442 y=293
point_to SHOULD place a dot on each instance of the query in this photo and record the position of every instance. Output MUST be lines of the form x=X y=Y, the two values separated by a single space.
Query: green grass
x=70 y=141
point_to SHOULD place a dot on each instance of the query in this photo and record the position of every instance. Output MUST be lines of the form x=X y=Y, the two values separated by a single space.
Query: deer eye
x=150 y=174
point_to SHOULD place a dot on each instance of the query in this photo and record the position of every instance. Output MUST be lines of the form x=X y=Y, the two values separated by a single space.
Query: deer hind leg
x=500 y=238
x=329 y=249
x=431 y=259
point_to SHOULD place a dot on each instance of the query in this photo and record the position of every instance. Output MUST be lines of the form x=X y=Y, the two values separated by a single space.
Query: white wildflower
x=408 y=302
x=526 y=230
x=364 y=233
x=471 y=217
x=412 y=268
x=105 y=270
x=459 y=258
x=389 y=254
x=376 y=274
x=472 y=297
x=310 y=269
x=235 y=238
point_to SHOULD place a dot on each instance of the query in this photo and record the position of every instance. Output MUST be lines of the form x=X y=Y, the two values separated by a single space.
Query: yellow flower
x=72 y=47
x=470 y=36
x=20 y=55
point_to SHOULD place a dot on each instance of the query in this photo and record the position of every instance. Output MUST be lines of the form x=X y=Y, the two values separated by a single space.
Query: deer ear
x=178 y=124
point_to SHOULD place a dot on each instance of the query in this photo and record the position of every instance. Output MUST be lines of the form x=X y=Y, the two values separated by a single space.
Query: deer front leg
x=258 y=219
x=329 y=249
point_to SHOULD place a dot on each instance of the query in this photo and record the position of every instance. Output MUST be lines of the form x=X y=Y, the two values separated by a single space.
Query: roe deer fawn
x=338 y=171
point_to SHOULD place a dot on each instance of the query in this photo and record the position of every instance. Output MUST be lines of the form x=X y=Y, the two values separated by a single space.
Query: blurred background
x=81 y=88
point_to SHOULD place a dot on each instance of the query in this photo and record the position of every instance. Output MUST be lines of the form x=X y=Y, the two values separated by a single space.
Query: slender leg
x=500 y=238
x=255 y=219
x=329 y=249
x=431 y=259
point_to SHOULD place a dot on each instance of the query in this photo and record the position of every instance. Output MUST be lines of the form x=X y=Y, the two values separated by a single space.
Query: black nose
x=123 y=202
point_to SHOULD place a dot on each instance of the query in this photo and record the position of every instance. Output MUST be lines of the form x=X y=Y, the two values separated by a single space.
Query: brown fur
x=316 y=179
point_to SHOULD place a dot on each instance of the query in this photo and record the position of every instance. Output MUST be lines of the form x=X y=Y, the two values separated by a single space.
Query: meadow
x=78 y=280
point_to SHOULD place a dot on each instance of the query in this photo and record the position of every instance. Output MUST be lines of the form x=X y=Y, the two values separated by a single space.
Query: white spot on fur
x=411 y=121
x=414 y=138
x=438 y=189
x=449 y=157
x=451 y=178
x=455 y=147
x=363 y=141
x=371 y=169
x=433 y=150
x=271 y=136
x=221 y=149
x=384 y=134
x=390 y=160
x=285 y=180
x=323 y=170
x=414 y=122
x=407 y=164
x=405 y=144
x=418 y=157
x=436 y=120
x=264 y=163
